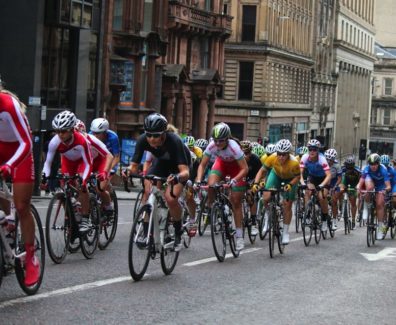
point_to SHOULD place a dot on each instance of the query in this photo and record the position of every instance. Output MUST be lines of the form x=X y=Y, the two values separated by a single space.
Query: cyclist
x=229 y=161
x=75 y=159
x=385 y=160
x=350 y=178
x=101 y=163
x=202 y=144
x=375 y=177
x=283 y=167
x=269 y=150
x=171 y=162
x=100 y=129
x=301 y=151
x=16 y=162
x=336 y=172
x=196 y=154
x=319 y=176
x=259 y=151
x=254 y=165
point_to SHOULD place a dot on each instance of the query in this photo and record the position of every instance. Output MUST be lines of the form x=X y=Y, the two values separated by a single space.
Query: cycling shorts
x=274 y=181
x=223 y=169
x=71 y=168
x=24 y=172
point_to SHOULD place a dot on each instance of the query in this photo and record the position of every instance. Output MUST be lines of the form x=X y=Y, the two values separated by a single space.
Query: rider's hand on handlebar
x=287 y=188
x=196 y=186
x=255 y=187
x=5 y=171
x=173 y=178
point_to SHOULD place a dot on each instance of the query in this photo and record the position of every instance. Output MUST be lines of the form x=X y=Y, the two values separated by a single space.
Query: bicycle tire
x=186 y=237
x=271 y=232
x=58 y=228
x=371 y=233
x=90 y=239
x=135 y=249
x=247 y=223
x=169 y=256
x=108 y=225
x=263 y=233
x=217 y=231
x=281 y=247
x=346 y=217
x=203 y=216
x=1 y=263
x=392 y=225
x=330 y=228
x=307 y=228
x=317 y=226
x=231 y=234
x=138 y=202
x=297 y=214
x=39 y=243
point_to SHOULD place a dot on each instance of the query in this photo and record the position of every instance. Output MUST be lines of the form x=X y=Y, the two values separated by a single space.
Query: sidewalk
x=121 y=194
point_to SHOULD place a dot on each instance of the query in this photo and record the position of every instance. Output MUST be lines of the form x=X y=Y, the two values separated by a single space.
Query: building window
x=249 y=24
x=208 y=5
x=388 y=86
x=225 y=9
x=374 y=115
x=117 y=14
x=246 y=70
x=205 y=53
x=387 y=116
x=148 y=15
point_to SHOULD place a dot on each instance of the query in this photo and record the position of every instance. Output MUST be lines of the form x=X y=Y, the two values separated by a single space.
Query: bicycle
x=203 y=215
x=189 y=231
x=222 y=222
x=312 y=222
x=299 y=208
x=372 y=222
x=275 y=221
x=152 y=233
x=262 y=216
x=390 y=216
x=347 y=210
x=62 y=227
x=247 y=219
x=12 y=246
x=108 y=223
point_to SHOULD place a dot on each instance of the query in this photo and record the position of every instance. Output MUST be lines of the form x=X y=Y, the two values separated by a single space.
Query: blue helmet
x=385 y=160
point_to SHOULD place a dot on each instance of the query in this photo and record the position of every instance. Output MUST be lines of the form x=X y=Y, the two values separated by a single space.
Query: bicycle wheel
x=39 y=244
x=217 y=231
x=168 y=254
x=58 y=228
x=392 y=225
x=138 y=248
x=317 y=225
x=89 y=240
x=271 y=232
x=264 y=222
x=231 y=234
x=281 y=247
x=138 y=203
x=307 y=227
x=247 y=222
x=371 y=231
x=1 y=263
x=108 y=224
x=297 y=213
x=203 y=216
x=186 y=237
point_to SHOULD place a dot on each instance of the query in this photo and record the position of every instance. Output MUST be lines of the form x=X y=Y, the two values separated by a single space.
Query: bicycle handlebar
x=151 y=178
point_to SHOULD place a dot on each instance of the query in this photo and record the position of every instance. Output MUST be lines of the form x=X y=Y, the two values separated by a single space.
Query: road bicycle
x=347 y=209
x=262 y=216
x=275 y=220
x=247 y=218
x=108 y=222
x=312 y=221
x=203 y=212
x=372 y=220
x=152 y=233
x=61 y=226
x=12 y=246
x=222 y=221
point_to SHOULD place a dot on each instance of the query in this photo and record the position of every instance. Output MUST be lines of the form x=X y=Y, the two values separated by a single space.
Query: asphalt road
x=329 y=283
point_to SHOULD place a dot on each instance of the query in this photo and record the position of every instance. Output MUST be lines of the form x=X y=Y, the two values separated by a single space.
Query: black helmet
x=374 y=158
x=155 y=123
x=349 y=161
x=221 y=131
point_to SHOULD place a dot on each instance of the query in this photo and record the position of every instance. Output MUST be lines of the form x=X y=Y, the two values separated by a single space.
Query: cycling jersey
x=350 y=177
x=254 y=165
x=335 y=171
x=171 y=154
x=316 y=168
x=379 y=177
x=15 y=139
x=230 y=153
x=263 y=158
x=99 y=153
x=288 y=170
x=73 y=155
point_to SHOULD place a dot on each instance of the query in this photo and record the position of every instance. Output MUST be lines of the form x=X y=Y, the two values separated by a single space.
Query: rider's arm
x=102 y=150
x=388 y=186
x=201 y=168
x=184 y=173
x=243 y=169
x=260 y=174
x=52 y=147
x=327 y=179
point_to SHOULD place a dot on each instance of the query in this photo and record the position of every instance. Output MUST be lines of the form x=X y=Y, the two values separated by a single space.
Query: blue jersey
x=316 y=168
x=112 y=143
x=379 y=177
x=391 y=174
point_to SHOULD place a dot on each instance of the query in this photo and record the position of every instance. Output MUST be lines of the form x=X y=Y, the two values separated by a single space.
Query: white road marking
x=386 y=253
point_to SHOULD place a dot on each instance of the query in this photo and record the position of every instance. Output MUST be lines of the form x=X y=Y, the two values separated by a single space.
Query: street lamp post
x=356 y=120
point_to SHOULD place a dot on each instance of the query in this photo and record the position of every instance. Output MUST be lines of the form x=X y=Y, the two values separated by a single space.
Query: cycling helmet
x=258 y=150
x=189 y=141
x=80 y=126
x=221 y=131
x=313 y=143
x=349 y=161
x=155 y=123
x=302 y=151
x=64 y=120
x=385 y=160
x=270 y=149
x=331 y=154
x=374 y=158
x=99 y=125
x=283 y=145
x=255 y=144
x=201 y=143
x=246 y=146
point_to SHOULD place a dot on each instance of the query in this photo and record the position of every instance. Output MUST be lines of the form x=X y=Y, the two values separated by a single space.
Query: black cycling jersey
x=351 y=176
x=254 y=165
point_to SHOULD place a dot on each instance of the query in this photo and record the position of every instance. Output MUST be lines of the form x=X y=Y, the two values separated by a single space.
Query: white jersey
x=230 y=153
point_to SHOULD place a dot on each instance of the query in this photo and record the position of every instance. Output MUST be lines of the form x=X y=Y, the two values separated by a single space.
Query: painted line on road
x=64 y=291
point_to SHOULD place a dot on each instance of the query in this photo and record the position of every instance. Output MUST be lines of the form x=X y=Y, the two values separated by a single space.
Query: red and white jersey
x=14 y=127
x=98 y=148
x=78 y=149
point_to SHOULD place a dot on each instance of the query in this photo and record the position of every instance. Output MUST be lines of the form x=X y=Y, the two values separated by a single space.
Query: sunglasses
x=62 y=131
x=283 y=154
x=153 y=135
x=313 y=149
x=220 y=140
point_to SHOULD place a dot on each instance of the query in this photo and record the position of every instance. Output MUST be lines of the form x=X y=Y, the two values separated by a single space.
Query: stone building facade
x=354 y=64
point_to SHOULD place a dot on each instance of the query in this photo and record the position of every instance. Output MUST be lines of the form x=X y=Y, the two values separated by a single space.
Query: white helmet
x=64 y=120
x=270 y=149
x=313 y=143
x=283 y=145
x=331 y=154
x=99 y=125
x=80 y=126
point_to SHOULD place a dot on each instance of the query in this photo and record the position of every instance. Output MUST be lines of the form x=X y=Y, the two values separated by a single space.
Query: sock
x=239 y=232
